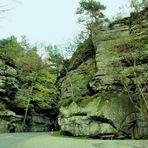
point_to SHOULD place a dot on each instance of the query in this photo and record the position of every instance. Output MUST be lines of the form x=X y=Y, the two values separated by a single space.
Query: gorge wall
x=101 y=89
x=41 y=117
x=98 y=87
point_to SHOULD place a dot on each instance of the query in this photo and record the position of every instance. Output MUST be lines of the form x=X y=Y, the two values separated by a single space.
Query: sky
x=46 y=21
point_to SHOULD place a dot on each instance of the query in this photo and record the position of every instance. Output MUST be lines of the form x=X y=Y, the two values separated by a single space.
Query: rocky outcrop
x=8 y=89
x=98 y=95
x=41 y=117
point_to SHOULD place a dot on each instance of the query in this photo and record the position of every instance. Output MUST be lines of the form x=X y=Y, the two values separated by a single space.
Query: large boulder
x=10 y=122
x=98 y=115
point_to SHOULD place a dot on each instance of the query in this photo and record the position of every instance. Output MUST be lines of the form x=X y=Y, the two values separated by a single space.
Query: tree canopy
x=90 y=13
x=36 y=76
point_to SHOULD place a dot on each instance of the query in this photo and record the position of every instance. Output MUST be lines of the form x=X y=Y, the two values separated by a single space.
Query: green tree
x=12 y=49
x=54 y=57
x=37 y=81
x=90 y=14
x=138 y=5
x=145 y=3
x=70 y=47
x=24 y=43
x=36 y=76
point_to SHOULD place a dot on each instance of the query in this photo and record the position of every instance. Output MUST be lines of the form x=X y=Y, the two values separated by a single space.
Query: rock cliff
x=41 y=117
x=99 y=88
x=8 y=88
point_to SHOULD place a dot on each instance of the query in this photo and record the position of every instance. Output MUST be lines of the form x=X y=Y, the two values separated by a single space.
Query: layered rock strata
x=99 y=90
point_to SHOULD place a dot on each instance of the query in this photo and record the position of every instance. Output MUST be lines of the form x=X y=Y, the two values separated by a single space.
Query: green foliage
x=64 y=102
x=39 y=85
x=57 y=55
x=138 y=5
x=145 y=3
x=21 y=101
x=133 y=70
x=90 y=14
x=91 y=8
x=24 y=43
x=138 y=69
x=55 y=58
x=12 y=49
x=70 y=47
x=32 y=61
x=36 y=76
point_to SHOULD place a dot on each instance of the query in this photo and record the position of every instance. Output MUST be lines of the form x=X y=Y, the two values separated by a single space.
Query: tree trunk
x=26 y=111
x=27 y=107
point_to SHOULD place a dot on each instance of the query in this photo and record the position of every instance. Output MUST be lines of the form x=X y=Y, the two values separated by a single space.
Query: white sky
x=48 y=21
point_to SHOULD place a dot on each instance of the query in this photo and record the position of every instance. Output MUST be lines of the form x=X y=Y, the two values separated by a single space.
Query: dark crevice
x=80 y=114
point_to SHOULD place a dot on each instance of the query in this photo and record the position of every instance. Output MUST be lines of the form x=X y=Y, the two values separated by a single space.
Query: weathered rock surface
x=40 y=118
x=8 y=89
x=93 y=93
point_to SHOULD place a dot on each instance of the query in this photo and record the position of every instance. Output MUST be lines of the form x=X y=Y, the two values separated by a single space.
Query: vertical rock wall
x=41 y=117
x=104 y=85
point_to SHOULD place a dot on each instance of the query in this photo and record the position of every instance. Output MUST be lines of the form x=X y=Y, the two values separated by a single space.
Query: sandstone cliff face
x=99 y=91
x=8 y=89
x=40 y=116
